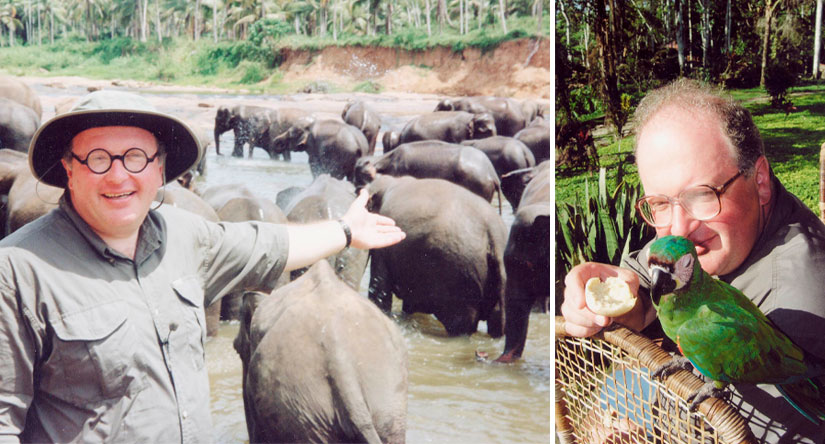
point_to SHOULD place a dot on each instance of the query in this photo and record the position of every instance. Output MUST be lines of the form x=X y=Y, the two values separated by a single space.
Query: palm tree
x=9 y=20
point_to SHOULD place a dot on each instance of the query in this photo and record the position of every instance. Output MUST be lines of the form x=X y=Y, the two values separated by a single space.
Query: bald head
x=700 y=99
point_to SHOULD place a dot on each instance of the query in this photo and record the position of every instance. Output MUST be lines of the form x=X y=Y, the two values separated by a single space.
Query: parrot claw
x=671 y=367
x=709 y=390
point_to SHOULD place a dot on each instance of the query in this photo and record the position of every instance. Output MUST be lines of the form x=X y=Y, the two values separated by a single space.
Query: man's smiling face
x=116 y=202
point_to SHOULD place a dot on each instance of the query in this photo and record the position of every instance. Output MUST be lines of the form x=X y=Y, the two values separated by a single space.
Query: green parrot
x=724 y=335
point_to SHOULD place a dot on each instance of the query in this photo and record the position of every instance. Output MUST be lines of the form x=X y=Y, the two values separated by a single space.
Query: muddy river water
x=453 y=398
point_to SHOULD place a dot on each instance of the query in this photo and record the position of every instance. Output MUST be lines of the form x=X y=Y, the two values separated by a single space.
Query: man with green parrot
x=702 y=164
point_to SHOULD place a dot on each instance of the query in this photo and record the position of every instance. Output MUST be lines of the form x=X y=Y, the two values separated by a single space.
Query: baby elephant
x=325 y=366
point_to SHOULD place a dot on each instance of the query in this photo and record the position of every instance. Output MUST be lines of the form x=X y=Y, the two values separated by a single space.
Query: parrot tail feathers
x=807 y=397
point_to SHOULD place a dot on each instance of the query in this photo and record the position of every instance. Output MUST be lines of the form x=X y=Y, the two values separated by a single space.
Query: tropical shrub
x=601 y=228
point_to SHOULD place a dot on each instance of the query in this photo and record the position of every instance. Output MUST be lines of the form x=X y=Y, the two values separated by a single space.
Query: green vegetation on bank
x=250 y=64
x=792 y=145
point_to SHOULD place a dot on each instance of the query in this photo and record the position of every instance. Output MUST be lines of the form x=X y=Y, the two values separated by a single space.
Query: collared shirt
x=784 y=275
x=96 y=347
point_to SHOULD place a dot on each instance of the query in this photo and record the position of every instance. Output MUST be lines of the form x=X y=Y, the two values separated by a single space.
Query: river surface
x=453 y=397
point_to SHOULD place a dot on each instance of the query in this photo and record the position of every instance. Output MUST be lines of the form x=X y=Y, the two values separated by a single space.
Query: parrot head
x=671 y=263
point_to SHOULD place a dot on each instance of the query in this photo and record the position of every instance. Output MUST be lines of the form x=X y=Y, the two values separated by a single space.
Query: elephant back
x=18 y=123
x=339 y=357
x=18 y=91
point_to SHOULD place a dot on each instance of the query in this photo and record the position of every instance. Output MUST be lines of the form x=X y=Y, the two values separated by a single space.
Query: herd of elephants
x=309 y=372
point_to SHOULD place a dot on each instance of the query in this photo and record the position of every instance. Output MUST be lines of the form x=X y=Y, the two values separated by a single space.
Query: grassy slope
x=792 y=145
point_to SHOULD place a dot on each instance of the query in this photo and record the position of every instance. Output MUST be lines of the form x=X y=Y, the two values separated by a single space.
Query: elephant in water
x=536 y=136
x=324 y=365
x=448 y=126
x=360 y=115
x=451 y=263
x=390 y=140
x=527 y=261
x=331 y=146
x=461 y=165
x=248 y=122
x=507 y=154
x=328 y=198
x=15 y=89
x=507 y=113
x=18 y=123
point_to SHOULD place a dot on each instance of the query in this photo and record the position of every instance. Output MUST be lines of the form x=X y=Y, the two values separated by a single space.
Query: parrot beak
x=661 y=283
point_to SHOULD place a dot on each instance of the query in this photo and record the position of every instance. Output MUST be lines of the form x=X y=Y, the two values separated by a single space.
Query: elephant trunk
x=218 y=133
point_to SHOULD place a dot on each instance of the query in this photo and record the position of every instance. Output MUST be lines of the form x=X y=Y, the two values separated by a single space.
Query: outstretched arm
x=312 y=242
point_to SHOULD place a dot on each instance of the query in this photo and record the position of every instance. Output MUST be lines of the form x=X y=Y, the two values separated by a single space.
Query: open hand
x=370 y=230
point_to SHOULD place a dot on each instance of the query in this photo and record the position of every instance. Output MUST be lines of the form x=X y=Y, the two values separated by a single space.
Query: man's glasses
x=100 y=161
x=701 y=202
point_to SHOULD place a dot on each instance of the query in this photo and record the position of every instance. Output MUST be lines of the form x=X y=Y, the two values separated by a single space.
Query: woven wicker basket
x=604 y=394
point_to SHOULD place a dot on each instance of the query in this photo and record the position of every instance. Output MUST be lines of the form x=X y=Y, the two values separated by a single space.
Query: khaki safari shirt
x=784 y=275
x=95 y=347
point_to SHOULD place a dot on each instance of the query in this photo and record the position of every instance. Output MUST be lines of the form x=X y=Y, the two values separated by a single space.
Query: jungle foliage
x=609 y=53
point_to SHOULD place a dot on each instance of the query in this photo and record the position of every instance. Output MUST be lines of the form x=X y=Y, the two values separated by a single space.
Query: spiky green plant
x=602 y=228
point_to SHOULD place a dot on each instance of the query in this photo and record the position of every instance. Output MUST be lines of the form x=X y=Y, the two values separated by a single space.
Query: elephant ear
x=483 y=123
x=304 y=137
x=445 y=105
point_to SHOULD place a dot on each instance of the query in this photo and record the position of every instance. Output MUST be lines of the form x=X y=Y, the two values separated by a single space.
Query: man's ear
x=68 y=169
x=763 y=180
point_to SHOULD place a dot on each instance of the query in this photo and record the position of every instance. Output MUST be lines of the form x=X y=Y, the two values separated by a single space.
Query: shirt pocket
x=91 y=355
x=192 y=321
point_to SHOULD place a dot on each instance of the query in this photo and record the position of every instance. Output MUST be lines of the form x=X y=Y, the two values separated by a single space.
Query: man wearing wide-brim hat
x=102 y=299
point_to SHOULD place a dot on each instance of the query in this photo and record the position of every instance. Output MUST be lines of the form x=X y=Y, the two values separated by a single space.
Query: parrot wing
x=730 y=340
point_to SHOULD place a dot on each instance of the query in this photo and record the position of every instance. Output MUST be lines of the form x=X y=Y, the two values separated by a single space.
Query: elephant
x=205 y=139
x=285 y=196
x=236 y=203
x=537 y=137
x=18 y=123
x=506 y=154
x=280 y=120
x=331 y=146
x=531 y=110
x=390 y=140
x=451 y=263
x=462 y=165
x=507 y=113
x=328 y=198
x=65 y=105
x=13 y=164
x=325 y=365
x=360 y=115
x=448 y=126
x=15 y=89
x=527 y=261
x=246 y=121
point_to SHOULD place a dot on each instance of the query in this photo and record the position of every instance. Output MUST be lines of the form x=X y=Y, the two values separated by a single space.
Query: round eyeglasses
x=100 y=161
x=701 y=202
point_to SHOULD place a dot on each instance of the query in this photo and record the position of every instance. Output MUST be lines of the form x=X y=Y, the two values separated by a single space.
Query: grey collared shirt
x=96 y=347
x=784 y=275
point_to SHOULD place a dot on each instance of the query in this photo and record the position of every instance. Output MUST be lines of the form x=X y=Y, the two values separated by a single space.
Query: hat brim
x=48 y=144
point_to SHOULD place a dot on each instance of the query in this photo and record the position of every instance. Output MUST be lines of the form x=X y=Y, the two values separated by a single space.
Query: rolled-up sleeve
x=244 y=256
x=18 y=352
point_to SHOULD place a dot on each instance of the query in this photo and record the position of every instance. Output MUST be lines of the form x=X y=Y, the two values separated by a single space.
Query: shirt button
x=185 y=414
x=157 y=312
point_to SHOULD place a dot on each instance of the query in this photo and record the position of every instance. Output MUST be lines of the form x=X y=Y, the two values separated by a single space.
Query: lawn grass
x=792 y=145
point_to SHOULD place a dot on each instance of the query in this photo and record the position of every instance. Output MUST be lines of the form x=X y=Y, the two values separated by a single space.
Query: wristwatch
x=347 y=232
